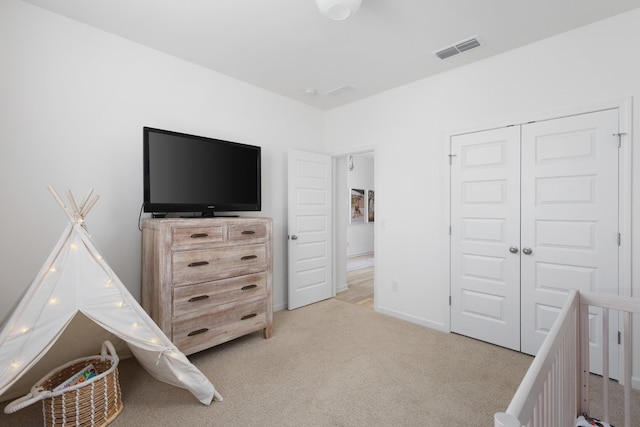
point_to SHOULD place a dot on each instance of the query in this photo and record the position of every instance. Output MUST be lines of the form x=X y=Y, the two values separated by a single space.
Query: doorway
x=354 y=221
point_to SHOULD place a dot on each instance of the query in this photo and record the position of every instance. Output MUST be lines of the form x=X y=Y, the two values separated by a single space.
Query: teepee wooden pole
x=72 y=201
x=60 y=202
x=87 y=208
x=85 y=200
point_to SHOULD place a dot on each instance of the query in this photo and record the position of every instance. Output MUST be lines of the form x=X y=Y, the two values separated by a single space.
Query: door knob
x=513 y=250
x=294 y=237
x=527 y=251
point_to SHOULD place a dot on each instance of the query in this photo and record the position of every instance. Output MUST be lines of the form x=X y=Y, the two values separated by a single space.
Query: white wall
x=73 y=103
x=591 y=65
x=359 y=236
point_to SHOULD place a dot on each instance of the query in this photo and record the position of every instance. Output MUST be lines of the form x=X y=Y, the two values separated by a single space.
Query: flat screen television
x=188 y=173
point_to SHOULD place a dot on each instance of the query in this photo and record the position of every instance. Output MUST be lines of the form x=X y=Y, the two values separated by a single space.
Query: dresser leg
x=268 y=332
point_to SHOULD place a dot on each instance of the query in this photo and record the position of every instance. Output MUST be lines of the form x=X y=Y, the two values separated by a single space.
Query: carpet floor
x=329 y=364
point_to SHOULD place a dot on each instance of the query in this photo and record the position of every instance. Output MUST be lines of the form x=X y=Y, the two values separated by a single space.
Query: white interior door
x=309 y=211
x=485 y=235
x=569 y=222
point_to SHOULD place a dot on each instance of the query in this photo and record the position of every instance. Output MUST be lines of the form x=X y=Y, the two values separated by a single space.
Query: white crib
x=555 y=389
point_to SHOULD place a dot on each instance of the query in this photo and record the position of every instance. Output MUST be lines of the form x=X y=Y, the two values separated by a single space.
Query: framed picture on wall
x=357 y=215
x=371 y=205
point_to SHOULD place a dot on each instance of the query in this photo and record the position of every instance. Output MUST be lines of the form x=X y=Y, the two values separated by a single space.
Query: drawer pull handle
x=245 y=288
x=248 y=316
x=198 y=298
x=248 y=257
x=248 y=232
x=197 y=331
x=199 y=235
x=198 y=263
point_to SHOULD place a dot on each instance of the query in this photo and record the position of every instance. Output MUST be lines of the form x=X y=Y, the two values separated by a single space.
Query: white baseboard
x=359 y=254
x=413 y=319
x=280 y=307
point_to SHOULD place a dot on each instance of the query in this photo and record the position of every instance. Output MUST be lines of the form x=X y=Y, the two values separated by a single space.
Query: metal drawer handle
x=199 y=235
x=248 y=257
x=244 y=288
x=198 y=331
x=198 y=298
x=198 y=263
x=248 y=232
x=248 y=316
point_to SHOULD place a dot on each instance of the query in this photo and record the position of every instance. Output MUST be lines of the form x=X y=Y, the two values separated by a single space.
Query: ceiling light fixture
x=338 y=10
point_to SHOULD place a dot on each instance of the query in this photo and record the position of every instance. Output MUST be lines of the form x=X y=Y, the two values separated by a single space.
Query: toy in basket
x=84 y=392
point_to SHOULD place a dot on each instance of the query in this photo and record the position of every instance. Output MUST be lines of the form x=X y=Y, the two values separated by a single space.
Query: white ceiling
x=287 y=46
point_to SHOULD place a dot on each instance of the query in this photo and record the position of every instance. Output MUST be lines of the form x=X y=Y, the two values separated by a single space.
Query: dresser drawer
x=205 y=296
x=197 y=266
x=217 y=326
x=247 y=232
x=189 y=237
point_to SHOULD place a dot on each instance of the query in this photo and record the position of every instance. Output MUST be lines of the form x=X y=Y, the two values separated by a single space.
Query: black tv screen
x=188 y=173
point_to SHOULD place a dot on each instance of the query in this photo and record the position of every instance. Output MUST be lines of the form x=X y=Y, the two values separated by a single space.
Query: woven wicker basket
x=95 y=402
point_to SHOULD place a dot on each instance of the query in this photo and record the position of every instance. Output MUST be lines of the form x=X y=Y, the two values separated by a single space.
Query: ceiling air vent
x=445 y=53
x=457 y=48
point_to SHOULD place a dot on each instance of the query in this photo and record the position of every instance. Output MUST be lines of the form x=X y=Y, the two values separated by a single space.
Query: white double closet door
x=534 y=213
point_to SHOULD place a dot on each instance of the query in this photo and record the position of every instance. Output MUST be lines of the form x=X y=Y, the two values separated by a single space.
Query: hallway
x=359 y=282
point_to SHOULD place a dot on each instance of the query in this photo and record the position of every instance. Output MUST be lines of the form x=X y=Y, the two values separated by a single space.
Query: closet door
x=485 y=235
x=569 y=221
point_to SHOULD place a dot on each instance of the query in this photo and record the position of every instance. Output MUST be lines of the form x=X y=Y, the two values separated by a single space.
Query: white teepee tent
x=75 y=278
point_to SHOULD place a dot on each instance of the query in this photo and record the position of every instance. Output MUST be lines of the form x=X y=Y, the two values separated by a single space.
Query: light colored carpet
x=329 y=364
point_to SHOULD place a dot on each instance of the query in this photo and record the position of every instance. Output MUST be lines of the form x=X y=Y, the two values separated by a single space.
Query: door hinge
x=619 y=338
x=619 y=239
x=619 y=135
x=450 y=231
x=450 y=304
x=451 y=156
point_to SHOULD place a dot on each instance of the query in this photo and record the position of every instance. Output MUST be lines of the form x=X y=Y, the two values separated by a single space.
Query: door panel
x=569 y=218
x=547 y=191
x=309 y=211
x=485 y=221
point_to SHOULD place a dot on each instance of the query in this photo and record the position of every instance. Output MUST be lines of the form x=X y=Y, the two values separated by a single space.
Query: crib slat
x=584 y=359
x=627 y=369
x=605 y=364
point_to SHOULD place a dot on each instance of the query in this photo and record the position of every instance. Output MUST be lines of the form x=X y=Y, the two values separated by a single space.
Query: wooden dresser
x=206 y=281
